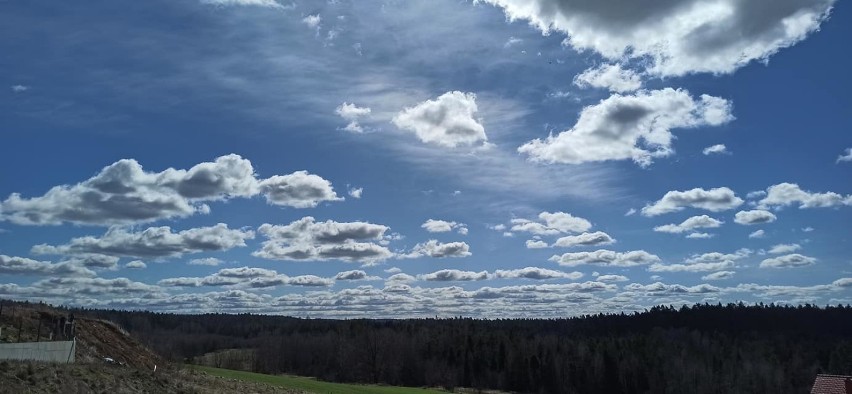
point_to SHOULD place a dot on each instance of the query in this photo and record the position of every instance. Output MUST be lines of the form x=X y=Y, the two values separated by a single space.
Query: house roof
x=832 y=384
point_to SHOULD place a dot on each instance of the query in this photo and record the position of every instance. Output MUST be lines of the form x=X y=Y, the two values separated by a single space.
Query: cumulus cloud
x=721 y=275
x=536 y=244
x=757 y=234
x=713 y=261
x=606 y=258
x=658 y=289
x=692 y=267
x=536 y=273
x=609 y=76
x=13 y=265
x=846 y=156
x=611 y=278
x=313 y=21
x=676 y=37
x=352 y=113
x=433 y=248
x=94 y=260
x=443 y=226
x=152 y=242
x=258 y=3
x=306 y=239
x=552 y=223
x=447 y=121
x=718 y=149
x=636 y=127
x=453 y=275
x=784 y=248
x=717 y=256
x=585 y=239
x=714 y=200
x=19 y=88
x=786 y=194
x=247 y=277
x=298 y=190
x=211 y=261
x=354 y=275
x=757 y=216
x=700 y=235
x=690 y=224
x=136 y=265
x=794 y=260
x=356 y=192
x=124 y=193
x=401 y=278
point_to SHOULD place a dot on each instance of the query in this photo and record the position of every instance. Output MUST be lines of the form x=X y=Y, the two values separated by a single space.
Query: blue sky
x=496 y=158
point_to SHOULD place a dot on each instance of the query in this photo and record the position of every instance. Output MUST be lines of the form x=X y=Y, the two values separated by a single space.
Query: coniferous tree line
x=732 y=348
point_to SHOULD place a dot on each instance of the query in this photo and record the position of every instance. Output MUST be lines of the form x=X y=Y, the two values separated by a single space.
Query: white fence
x=57 y=351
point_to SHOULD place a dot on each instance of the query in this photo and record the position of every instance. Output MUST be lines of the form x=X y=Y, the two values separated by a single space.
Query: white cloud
x=808 y=229
x=700 y=235
x=308 y=240
x=259 y=3
x=443 y=226
x=636 y=127
x=13 y=265
x=714 y=200
x=152 y=242
x=788 y=261
x=123 y=193
x=784 y=248
x=846 y=156
x=609 y=76
x=136 y=265
x=721 y=275
x=313 y=21
x=19 y=88
x=433 y=248
x=611 y=278
x=298 y=190
x=401 y=278
x=352 y=113
x=718 y=149
x=606 y=258
x=355 y=275
x=785 y=194
x=658 y=289
x=756 y=216
x=585 y=239
x=692 y=267
x=630 y=212
x=757 y=234
x=552 y=223
x=690 y=224
x=453 y=275
x=676 y=37
x=536 y=244
x=211 y=261
x=536 y=273
x=512 y=41
x=94 y=260
x=719 y=257
x=448 y=121
x=356 y=192
x=393 y=270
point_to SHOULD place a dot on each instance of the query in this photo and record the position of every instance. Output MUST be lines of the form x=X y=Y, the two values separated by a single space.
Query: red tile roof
x=832 y=384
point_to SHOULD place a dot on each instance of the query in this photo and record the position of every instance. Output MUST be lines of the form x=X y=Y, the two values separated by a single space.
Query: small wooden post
x=38 y=332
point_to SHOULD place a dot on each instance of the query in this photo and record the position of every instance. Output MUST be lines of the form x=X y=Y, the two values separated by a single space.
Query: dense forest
x=732 y=348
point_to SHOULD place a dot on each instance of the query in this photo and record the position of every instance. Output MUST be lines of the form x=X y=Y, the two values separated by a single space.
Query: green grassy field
x=310 y=384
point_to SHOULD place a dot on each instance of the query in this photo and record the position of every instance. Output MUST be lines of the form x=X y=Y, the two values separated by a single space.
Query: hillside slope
x=96 y=338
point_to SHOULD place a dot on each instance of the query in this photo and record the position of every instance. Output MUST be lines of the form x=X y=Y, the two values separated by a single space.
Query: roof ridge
x=833 y=375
